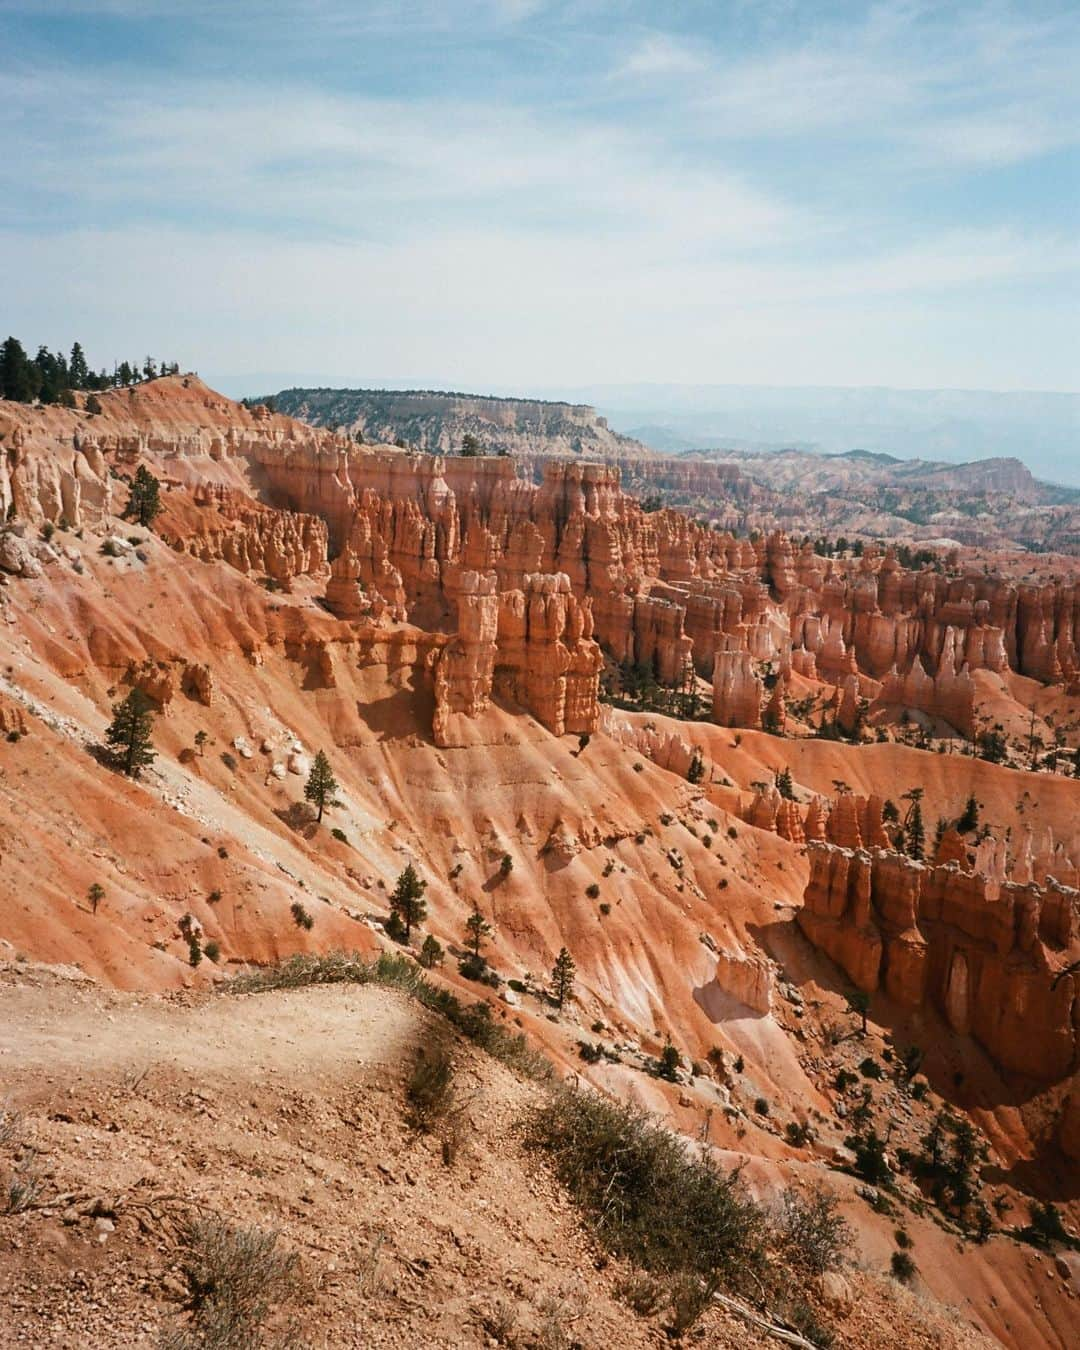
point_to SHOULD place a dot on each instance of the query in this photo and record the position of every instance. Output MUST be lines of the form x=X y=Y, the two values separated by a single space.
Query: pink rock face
x=992 y=957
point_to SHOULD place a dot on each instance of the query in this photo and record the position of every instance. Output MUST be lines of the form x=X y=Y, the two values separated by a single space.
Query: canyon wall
x=991 y=956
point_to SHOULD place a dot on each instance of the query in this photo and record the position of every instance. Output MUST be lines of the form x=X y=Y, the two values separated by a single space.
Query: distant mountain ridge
x=438 y=421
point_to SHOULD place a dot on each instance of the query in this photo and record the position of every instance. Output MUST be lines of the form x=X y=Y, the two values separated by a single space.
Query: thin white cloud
x=658 y=56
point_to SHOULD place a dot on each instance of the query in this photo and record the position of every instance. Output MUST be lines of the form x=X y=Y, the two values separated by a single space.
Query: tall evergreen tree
x=562 y=977
x=407 y=900
x=129 y=733
x=969 y=819
x=19 y=377
x=477 y=929
x=78 y=370
x=144 y=502
x=915 y=833
x=321 y=784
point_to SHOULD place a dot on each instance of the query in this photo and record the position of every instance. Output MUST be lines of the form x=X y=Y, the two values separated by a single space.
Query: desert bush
x=301 y=917
x=229 y=760
x=592 y=891
x=870 y=1068
x=761 y=1106
x=340 y=835
x=24 y=1189
x=212 y=951
x=605 y=908
x=430 y=1089
x=649 y=1199
x=235 y=1278
x=811 y=1233
x=902 y=1267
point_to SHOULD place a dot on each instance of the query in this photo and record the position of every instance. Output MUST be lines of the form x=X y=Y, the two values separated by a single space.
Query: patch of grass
x=393 y=971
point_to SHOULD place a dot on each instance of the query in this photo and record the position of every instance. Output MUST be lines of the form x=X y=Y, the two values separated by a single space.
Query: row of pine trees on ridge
x=52 y=377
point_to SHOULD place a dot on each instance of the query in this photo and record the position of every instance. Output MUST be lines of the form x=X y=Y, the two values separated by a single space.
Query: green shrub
x=870 y=1068
x=605 y=908
x=649 y=1199
x=902 y=1267
x=301 y=917
x=339 y=835
x=592 y=891
x=212 y=951
x=761 y=1106
x=430 y=1088
x=667 y=1066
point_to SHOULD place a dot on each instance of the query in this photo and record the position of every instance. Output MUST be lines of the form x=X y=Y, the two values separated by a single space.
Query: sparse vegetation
x=235 y=1278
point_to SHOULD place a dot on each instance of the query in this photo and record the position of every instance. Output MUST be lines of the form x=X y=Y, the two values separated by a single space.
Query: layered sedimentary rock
x=392 y=533
x=465 y=666
x=737 y=689
x=226 y=525
x=992 y=956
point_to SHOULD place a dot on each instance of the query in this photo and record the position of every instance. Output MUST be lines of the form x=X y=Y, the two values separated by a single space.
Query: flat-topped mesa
x=991 y=956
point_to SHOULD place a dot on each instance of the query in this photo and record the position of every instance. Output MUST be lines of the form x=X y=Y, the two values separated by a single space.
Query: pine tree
x=562 y=978
x=431 y=952
x=321 y=783
x=407 y=901
x=95 y=895
x=915 y=833
x=477 y=929
x=144 y=501
x=469 y=445
x=19 y=377
x=784 y=785
x=969 y=819
x=78 y=370
x=129 y=733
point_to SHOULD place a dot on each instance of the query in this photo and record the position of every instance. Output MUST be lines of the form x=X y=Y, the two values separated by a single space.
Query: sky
x=528 y=194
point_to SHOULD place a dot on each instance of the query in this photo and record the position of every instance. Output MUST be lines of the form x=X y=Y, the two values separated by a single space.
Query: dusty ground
x=286 y=1110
